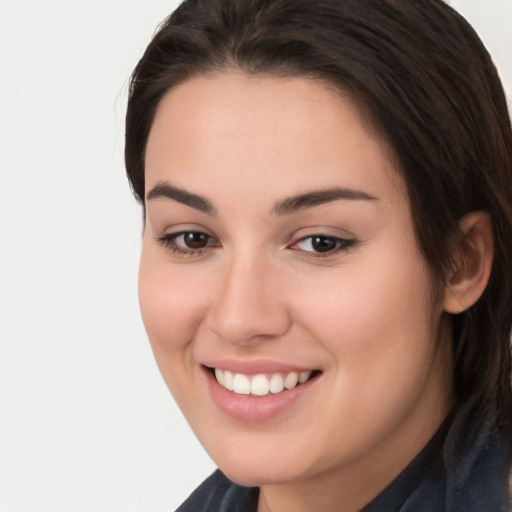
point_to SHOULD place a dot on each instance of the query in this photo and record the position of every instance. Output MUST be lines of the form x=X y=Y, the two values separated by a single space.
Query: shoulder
x=219 y=494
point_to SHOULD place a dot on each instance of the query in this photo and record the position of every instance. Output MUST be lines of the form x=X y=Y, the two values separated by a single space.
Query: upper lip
x=255 y=366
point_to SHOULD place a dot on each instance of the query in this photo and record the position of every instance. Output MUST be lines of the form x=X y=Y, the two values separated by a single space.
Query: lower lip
x=256 y=409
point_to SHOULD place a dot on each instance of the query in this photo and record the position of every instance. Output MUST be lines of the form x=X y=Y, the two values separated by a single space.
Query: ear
x=472 y=256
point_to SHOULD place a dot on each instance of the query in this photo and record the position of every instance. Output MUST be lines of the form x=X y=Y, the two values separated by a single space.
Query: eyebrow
x=195 y=201
x=318 y=197
x=284 y=207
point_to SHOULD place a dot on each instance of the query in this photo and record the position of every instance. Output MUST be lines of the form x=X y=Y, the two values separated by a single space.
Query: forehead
x=230 y=128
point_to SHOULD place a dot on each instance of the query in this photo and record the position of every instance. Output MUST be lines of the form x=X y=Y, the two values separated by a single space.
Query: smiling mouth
x=261 y=384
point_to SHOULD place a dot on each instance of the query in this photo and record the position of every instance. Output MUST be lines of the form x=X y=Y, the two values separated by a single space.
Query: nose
x=249 y=303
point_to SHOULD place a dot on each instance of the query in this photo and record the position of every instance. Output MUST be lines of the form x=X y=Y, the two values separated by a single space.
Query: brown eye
x=323 y=243
x=188 y=243
x=195 y=240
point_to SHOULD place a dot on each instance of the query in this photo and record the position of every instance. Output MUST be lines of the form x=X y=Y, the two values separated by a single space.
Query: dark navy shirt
x=464 y=468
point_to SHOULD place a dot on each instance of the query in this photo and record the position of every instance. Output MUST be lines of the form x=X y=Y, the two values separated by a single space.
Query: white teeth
x=259 y=385
x=219 y=375
x=242 y=384
x=276 y=383
x=229 y=380
x=291 y=380
x=304 y=376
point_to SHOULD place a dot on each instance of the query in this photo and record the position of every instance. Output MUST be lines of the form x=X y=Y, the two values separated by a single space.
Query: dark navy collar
x=464 y=468
x=218 y=494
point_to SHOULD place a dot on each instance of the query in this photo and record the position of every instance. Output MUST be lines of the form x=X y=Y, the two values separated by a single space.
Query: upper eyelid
x=176 y=234
x=348 y=240
x=167 y=238
x=326 y=232
x=176 y=230
x=325 y=235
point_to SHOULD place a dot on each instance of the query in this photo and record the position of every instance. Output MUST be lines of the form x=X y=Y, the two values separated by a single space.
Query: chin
x=254 y=468
x=250 y=476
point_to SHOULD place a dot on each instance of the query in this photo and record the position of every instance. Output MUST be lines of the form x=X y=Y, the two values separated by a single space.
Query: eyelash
x=341 y=244
x=169 y=241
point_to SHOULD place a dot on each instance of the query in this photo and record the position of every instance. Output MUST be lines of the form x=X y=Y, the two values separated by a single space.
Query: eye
x=192 y=240
x=323 y=245
x=188 y=242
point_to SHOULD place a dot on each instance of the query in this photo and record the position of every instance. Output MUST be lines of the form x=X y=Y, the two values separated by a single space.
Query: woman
x=325 y=276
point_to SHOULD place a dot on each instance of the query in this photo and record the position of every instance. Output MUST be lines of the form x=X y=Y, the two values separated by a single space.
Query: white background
x=86 y=423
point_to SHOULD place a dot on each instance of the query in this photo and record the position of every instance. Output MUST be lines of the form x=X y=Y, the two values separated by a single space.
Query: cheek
x=171 y=300
x=375 y=324
x=375 y=320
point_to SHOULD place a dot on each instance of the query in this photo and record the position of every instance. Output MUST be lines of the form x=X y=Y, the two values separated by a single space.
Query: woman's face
x=279 y=245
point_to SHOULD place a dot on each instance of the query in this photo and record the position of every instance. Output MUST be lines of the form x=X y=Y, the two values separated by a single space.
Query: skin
x=364 y=316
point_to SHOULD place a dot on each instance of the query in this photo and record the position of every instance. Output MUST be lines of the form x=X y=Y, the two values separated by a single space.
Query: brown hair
x=433 y=94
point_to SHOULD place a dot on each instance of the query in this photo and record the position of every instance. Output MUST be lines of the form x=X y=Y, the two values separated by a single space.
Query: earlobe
x=472 y=257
